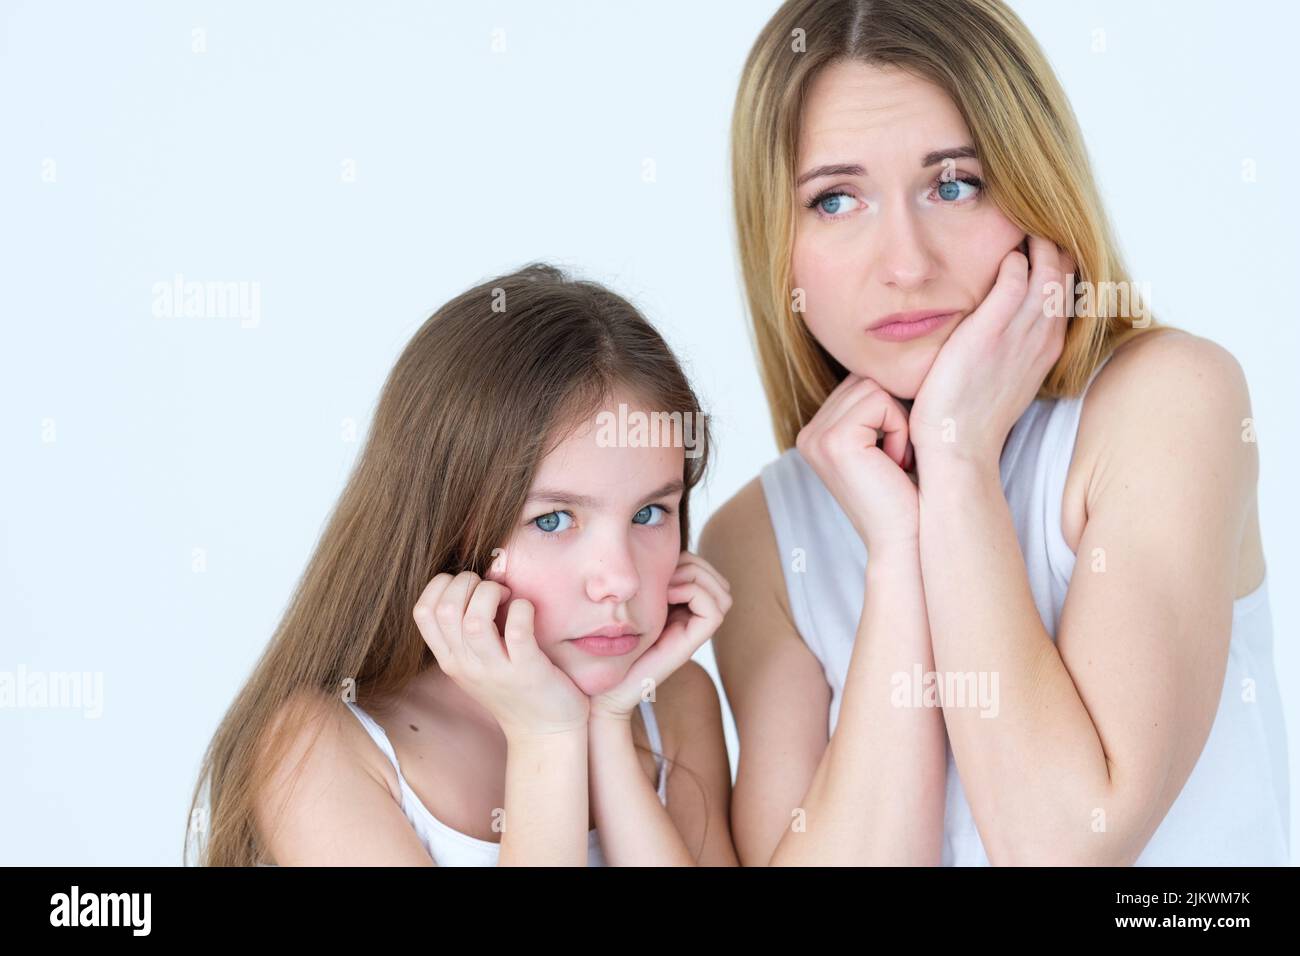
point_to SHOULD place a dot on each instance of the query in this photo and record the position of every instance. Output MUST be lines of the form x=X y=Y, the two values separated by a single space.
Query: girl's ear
x=496 y=570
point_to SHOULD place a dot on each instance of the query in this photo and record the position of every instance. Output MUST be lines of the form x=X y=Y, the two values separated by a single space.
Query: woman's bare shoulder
x=739 y=541
x=1168 y=408
x=1163 y=366
x=687 y=699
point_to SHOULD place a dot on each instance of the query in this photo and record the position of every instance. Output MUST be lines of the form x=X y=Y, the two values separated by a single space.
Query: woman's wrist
x=899 y=552
x=952 y=457
x=955 y=478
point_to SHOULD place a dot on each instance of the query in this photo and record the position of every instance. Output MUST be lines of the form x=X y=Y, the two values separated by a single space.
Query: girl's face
x=874 y=234
x=596 y=545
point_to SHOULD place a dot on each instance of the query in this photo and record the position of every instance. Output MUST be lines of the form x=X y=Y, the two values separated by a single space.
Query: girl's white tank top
x=1234 y=808
x=450 y=847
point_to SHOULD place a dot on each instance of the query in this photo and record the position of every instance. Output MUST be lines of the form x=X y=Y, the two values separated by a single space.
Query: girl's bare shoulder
x=325 y=737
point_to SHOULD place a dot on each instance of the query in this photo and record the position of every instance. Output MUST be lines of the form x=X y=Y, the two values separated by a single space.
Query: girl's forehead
x=593 y=474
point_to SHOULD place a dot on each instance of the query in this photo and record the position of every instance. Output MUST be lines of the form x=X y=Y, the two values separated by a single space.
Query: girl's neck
x=434 y=686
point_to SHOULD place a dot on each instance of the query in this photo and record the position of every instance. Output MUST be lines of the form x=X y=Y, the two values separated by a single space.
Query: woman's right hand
x=870 y=483
x=518 y=684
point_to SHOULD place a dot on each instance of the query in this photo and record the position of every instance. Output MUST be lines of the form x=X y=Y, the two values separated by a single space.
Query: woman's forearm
x=1034 y=772
x=877 y=797
x=546 y=801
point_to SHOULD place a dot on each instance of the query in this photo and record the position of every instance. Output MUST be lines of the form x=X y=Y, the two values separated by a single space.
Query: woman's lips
x=902 y=331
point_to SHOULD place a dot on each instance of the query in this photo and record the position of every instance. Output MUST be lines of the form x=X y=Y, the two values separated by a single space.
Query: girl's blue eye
x=646 y=512
x=549 y=522
x=950 y=191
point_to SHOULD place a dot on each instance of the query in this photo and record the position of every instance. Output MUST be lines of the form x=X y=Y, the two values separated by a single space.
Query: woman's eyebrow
x=939 y=155
x=586 y=501
x=854 y=169
x=834 y=169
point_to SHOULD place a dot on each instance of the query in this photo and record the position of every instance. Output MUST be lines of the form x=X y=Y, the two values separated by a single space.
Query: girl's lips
x=902 y=331
x=608 y=646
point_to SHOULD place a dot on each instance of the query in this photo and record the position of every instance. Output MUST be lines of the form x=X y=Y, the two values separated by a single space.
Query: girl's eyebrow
x=586 y=501
x=932 y=158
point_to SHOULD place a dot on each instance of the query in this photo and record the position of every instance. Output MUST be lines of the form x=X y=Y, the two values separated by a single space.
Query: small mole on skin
x=413 y=727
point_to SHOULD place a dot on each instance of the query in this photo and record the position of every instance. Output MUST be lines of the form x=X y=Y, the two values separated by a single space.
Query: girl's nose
x=613 y=576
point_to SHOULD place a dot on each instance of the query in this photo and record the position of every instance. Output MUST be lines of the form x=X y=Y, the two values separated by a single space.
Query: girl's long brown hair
x=476 y=400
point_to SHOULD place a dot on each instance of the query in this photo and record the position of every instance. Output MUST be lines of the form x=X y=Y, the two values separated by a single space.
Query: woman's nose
x=902 y=253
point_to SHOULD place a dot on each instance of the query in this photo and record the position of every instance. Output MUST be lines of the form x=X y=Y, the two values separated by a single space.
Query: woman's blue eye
x=951 y=190
x=549 y=522
x=833 y=203
x=646 y=511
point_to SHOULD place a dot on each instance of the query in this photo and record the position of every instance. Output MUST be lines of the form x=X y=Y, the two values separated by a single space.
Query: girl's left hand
x=991 y=367
x=698 y=598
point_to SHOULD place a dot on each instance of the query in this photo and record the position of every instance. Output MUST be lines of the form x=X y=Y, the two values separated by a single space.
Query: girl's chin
x=595 y=677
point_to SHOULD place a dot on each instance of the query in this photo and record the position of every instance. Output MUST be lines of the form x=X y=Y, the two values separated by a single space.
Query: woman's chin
x=904 y=379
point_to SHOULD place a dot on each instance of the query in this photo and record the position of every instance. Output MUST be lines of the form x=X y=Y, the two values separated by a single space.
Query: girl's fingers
x=687 y=580
x=450 y=611
x=479 y=625
x=689 y=557
x=519 y=639
x=423 y=613
x=705 y=610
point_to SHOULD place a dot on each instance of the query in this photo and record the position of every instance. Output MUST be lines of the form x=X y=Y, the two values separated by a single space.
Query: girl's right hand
x=518 y=684
x=870 y=483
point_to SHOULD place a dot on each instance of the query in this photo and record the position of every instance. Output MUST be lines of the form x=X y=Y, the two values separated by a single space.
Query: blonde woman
x=1002 y=598
x=487 y=661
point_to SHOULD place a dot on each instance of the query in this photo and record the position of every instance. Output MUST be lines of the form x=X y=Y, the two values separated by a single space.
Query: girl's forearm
x=877 y=796
x=546 y=801
x=635 y=828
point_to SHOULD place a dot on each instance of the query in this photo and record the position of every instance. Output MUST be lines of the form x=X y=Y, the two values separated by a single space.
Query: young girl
x=488 y=657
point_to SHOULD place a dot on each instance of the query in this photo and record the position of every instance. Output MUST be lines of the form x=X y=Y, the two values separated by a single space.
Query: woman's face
x=874 y=235
x=596 y=545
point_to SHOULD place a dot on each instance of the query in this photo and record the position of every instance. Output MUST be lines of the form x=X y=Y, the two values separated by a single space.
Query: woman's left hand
x=991 y=367
x=698 y=598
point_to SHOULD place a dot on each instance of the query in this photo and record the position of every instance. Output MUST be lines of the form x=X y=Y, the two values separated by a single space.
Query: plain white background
x=164 y=479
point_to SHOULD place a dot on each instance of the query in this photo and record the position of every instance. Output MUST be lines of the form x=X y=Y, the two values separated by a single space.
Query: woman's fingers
x=872 y=407
x=832 y=408
x=1046 y=282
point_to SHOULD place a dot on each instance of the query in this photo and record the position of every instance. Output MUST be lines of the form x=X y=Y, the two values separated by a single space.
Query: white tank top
x=1234 y=808
x=450 y=847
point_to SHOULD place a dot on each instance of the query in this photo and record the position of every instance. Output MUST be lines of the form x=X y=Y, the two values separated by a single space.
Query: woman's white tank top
x=1234 y=808
x=450 y=847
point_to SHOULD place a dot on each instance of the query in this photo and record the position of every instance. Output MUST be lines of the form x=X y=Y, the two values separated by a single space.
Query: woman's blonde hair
x=1035 y=169
x=487 y=386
